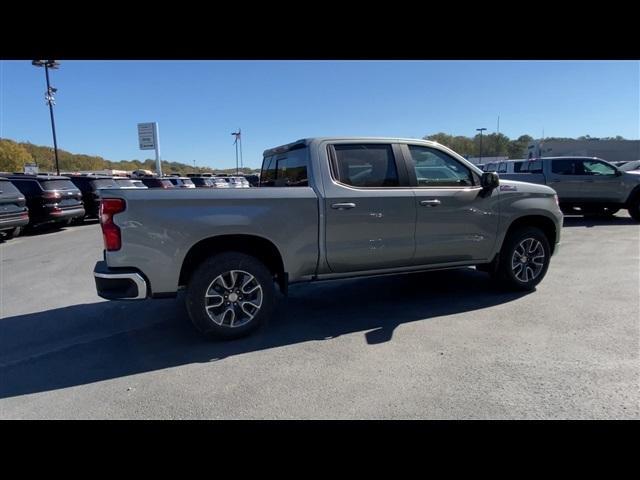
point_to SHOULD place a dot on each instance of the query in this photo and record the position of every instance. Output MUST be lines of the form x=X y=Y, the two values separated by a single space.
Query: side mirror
x=489 y=180
x=618 y=173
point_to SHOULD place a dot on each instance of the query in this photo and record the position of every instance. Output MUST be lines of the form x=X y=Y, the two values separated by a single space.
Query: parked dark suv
x=13 y=210
x=155 y=182
x=181 y=182
x=202 y=182
x=90 y=185
x=50 y=198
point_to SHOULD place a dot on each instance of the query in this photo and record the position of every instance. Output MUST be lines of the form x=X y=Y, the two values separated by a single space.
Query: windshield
x=58 y=185
x=126 y=182
x=7 y=187
x=635 y=165
x=105 y=183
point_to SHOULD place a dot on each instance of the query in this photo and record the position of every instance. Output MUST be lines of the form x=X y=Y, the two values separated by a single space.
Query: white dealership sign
x=147 y=136
x=149 y=139
x=31 y=168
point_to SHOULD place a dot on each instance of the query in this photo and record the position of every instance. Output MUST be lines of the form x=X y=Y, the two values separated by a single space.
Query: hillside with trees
x=496 y=144
x=14 y=155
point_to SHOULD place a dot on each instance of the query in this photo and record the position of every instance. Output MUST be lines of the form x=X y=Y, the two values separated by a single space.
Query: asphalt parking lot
x=438 y=345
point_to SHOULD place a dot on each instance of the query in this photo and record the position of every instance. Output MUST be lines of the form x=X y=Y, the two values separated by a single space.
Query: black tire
x=634 y=208
x=600 y=212
x=505 y=273
x=14 y=232
x=202 y=282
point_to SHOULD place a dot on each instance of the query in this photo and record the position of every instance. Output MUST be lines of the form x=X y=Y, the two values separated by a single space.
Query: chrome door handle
x=430 y=203
x=343 y=206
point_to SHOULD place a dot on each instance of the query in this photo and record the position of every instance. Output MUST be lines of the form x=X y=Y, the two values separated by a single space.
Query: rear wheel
x=14 y=232
x=524 y=259
x=230 y=295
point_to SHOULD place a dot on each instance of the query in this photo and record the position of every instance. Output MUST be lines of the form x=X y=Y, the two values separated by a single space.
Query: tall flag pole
x=237 y=135
x=240 y=137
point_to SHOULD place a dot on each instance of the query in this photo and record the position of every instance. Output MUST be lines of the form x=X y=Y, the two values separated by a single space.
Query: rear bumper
x=65 y=214
x=10 y=222
x=120 y=284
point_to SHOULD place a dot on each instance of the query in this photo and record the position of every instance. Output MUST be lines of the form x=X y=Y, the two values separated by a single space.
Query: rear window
x=125 y=182
x=288 y=169
x=105 y=183
x=7 y=187
x=58 y=185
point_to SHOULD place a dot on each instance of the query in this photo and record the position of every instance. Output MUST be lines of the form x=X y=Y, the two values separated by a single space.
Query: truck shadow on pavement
x=88 y=343
x=579 y=221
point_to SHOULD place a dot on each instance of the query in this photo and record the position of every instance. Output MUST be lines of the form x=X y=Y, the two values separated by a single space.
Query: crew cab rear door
x=370 y=208
x=457 y=221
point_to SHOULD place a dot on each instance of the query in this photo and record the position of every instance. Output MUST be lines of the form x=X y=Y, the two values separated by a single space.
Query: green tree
x=518 y=148
x=13 y=156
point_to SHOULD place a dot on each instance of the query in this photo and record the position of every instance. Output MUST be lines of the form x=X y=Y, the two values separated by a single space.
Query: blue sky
x=199 y=103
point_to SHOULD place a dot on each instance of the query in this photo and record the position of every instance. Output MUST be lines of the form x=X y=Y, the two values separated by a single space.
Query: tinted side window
x=371 y=165
x=534 y=166
x=7 y=188
x=436 y=168
x=564 y=167
x=502 y=168
x=28 y=187
x=517 y=167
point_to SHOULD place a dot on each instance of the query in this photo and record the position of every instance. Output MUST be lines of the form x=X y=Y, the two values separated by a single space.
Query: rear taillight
x=110 y=231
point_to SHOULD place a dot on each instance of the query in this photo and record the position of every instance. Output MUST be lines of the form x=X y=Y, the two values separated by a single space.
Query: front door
x=456 y=219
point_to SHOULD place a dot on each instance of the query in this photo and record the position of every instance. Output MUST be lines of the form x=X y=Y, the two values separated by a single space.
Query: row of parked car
x=516 y=166
x=32 y=200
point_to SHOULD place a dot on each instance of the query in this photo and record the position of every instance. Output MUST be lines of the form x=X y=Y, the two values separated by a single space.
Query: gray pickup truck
x=585 y=185
x=325 y=208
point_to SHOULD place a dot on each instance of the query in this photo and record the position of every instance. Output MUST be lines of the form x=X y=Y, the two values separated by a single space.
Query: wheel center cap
x=233 y=297
x=523 y=259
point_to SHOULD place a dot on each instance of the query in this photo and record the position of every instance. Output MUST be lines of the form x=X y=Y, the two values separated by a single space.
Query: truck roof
x=303 y=142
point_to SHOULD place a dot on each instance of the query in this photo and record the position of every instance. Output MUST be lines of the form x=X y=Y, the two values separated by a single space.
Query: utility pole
x=49 y=97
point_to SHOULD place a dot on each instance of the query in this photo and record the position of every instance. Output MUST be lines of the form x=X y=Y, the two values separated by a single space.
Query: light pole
x=49 y=97
x=480 y=130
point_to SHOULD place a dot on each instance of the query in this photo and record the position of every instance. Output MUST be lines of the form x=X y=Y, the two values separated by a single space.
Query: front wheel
x=524 y=259
x=230 y=295
x=634 y=208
